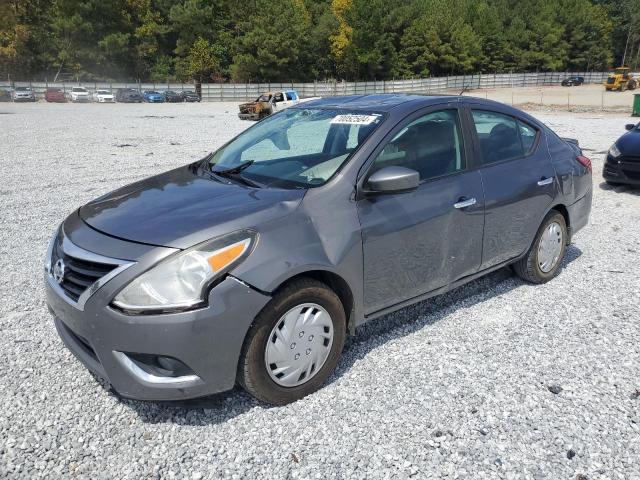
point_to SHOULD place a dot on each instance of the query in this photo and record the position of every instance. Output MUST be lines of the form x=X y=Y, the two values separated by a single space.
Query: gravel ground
x=585 y=96
x=497 y=379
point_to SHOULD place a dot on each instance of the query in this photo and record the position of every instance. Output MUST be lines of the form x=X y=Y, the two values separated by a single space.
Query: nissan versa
x=250 y=266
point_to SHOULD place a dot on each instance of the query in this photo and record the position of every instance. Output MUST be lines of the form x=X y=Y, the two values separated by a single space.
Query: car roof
x=379 y=102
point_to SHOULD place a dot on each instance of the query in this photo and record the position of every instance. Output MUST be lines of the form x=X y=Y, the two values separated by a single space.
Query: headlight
x=614 y=152
x=182 y=280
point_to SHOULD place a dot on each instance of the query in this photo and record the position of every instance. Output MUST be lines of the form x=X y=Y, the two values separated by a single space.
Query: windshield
x=103 y=92
x=22 y=89
x=297 y=148
x=80 y=90
x=264 y=98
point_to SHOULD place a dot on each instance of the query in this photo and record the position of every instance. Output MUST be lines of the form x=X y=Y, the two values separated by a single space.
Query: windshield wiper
x=237 y=169
x=235 y=173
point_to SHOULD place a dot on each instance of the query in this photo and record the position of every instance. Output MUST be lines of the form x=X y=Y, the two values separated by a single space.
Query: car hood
x=629 y=143
x=81 y=94
x=183 y=207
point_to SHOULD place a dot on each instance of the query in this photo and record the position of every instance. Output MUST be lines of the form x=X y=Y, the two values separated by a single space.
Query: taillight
x=584 y=161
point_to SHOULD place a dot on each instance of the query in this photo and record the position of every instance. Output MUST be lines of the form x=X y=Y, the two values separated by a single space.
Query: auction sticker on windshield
x=355 y=119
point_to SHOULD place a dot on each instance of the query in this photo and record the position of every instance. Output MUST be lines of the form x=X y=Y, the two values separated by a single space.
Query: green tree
x=275 y=46
x=201 y=61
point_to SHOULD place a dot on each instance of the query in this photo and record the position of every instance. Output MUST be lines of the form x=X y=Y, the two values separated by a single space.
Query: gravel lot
x=591 y=96
x=497 y=379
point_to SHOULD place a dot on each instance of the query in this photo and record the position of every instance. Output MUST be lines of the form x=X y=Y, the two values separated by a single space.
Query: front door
x=419 y=241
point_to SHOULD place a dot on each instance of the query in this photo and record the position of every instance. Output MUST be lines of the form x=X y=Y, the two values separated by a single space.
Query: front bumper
x=81 y=99
x=621 y=170
x=208 y=340
x=25 y=99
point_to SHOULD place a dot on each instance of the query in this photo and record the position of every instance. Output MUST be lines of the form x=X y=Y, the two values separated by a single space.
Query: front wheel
x=294 y=344
x=542 y=261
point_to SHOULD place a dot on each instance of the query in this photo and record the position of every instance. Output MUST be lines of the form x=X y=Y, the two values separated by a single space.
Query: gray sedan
x=252 y=265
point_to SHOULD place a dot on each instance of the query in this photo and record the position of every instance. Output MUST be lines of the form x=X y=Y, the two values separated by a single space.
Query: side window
x=278 y=98
x=432 y=145
x=290 y=96
x=528 y=135
x=498 y=136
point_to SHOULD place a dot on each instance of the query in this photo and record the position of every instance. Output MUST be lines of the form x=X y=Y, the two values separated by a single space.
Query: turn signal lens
x=228 y=255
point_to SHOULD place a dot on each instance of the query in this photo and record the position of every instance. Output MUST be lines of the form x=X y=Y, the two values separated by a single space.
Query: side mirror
x=629 y=126
x=392 y=180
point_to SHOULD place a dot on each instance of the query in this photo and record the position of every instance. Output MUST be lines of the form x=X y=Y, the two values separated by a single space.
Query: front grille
x=79 y=274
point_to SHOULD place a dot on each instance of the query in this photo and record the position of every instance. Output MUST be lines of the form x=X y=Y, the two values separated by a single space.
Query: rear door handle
x=545 y=181
x=464 y=203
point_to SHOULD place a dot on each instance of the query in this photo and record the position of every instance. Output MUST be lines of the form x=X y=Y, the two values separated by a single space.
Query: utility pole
x=626 y=46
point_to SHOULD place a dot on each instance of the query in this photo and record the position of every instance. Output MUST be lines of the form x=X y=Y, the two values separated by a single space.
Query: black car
x=190 y=96
x=173 y=97
x=572 y=82
x=623 y=159
x=128 y=95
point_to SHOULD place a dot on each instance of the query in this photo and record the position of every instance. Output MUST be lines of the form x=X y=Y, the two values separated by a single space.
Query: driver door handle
x=545 y=181
x=464 y=203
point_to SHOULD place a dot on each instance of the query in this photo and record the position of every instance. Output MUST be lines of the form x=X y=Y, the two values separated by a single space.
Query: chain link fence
x=237 y=92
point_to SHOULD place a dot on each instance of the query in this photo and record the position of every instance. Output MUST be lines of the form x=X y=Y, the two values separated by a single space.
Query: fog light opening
x=161 y=365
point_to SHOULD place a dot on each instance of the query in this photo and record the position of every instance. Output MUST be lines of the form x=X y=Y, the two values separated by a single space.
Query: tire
x=613 y=184
x=253 y=372
x=530 y=267
x=633 y=85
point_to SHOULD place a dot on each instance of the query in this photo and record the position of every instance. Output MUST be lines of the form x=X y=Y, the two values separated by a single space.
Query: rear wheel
x=542 y=261
x=294 y=343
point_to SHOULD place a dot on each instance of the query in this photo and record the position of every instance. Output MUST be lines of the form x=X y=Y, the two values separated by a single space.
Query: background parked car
x=128 y=95
x=103 y=96
x=5 y=93
x=54 y=95
x=173 y=97
x=623 y=159
x=268 y=103
x=23 y=94
x=572 y=81
x=79 y=94
x=151 y=96
x=190 y=96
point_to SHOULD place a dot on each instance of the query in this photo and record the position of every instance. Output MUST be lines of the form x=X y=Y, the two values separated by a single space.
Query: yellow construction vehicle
x=621 y=79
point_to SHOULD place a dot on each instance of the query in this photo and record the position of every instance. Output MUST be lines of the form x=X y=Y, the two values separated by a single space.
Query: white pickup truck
x=268 y=103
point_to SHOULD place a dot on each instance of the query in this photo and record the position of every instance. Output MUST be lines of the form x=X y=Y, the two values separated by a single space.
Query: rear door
x=518 y=178
x=418 y=241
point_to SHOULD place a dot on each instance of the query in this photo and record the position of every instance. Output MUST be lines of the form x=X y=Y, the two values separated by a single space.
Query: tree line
x=303 y=40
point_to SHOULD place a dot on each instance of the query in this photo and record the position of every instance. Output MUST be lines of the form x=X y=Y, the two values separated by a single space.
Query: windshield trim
x=268 y=181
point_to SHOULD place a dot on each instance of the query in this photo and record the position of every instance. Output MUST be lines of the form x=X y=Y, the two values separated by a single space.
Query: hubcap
x=299 y=345
x=550 y=247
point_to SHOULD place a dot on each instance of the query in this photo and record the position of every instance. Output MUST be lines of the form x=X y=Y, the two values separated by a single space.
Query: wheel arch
x=336 y=283
x=562 y=209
